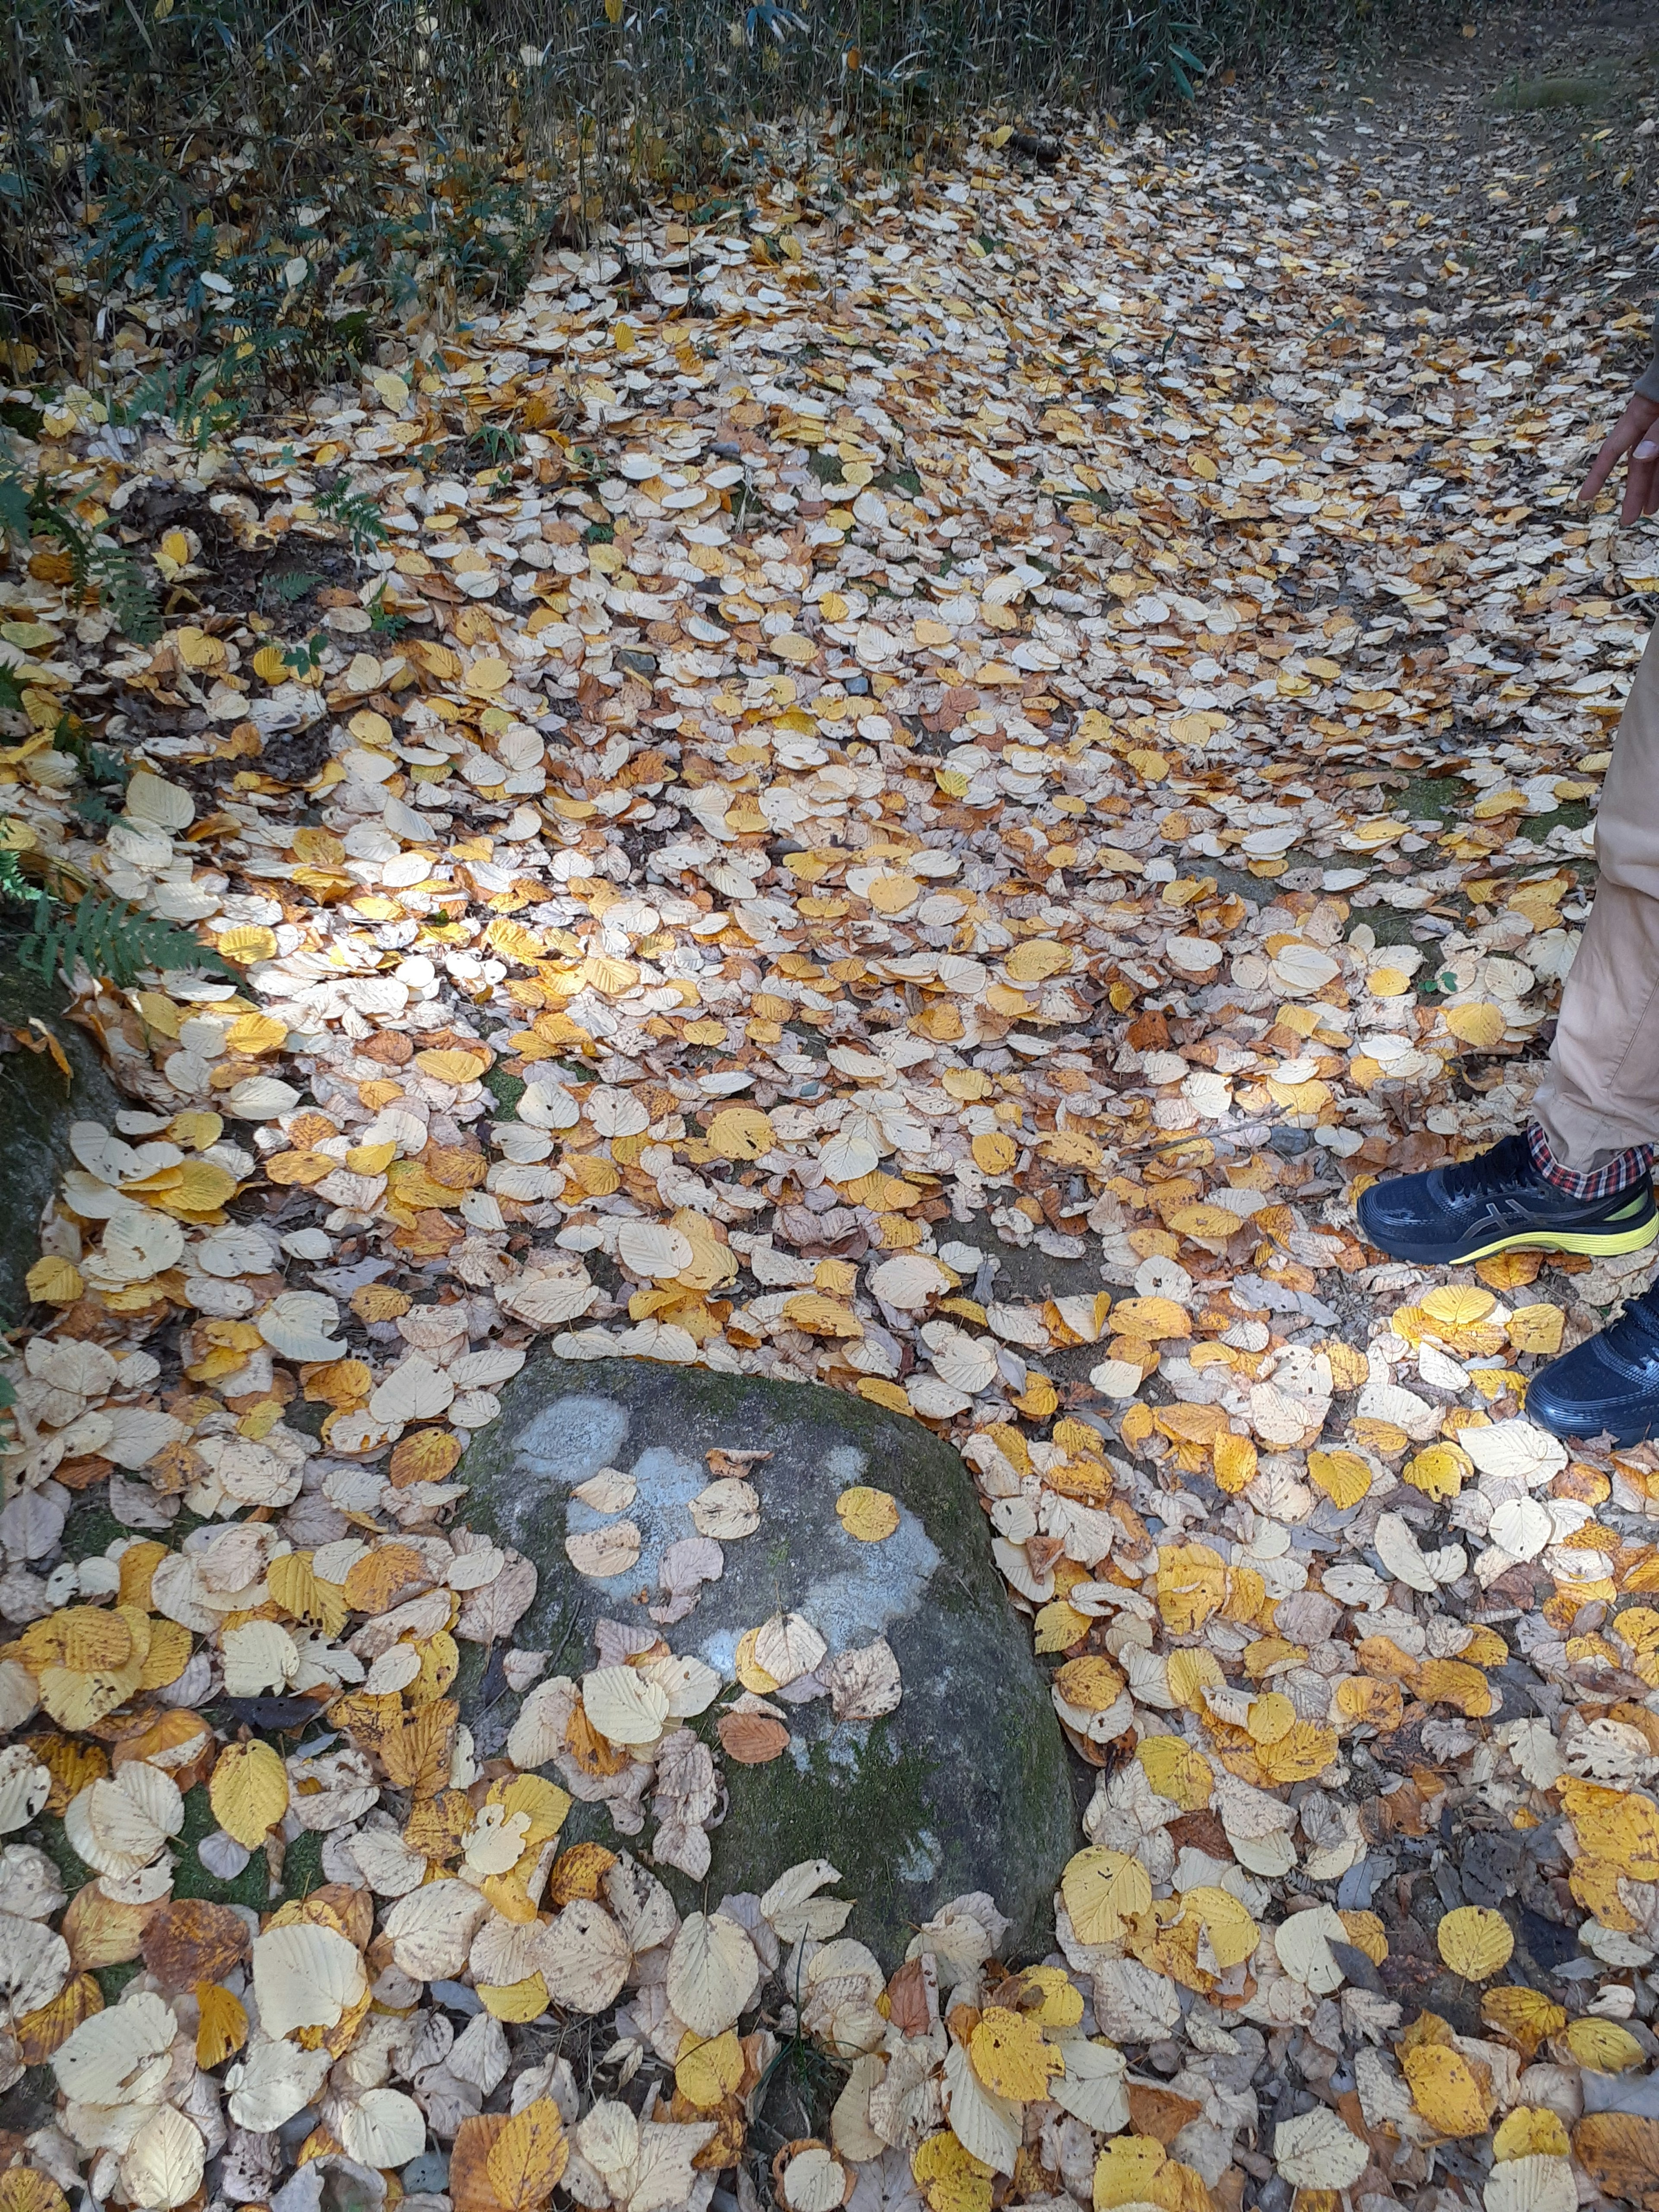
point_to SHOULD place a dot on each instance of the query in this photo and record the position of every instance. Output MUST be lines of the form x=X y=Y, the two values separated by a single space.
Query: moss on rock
x=964 y=1787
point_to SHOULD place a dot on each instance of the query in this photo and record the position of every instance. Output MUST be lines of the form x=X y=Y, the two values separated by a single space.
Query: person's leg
x=1598 y=1107
x=1579 y=1178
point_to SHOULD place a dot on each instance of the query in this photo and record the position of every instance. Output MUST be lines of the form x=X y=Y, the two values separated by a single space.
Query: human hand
x=1633 y=430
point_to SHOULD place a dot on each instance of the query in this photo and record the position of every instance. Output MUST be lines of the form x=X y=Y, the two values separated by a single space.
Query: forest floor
x=905 y=783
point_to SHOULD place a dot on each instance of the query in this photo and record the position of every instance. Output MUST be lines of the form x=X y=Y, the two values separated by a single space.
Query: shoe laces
x=1490 y=1172
x=1641 y=1314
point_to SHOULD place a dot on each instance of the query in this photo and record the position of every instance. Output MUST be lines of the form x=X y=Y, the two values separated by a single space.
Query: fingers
x=1641 y=484
x=1618 y=442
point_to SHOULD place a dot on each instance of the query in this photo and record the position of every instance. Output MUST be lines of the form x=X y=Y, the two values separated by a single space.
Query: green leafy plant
x=292 y=586
x=108 y=938
x=305 y=658
x=385 y=620
x=28 y=510
x=355 y=513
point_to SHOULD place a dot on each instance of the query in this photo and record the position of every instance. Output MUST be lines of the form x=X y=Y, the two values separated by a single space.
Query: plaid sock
x=1624 y=1171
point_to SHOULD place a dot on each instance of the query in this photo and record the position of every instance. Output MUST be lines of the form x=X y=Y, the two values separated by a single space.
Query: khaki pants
x=1602 y=1093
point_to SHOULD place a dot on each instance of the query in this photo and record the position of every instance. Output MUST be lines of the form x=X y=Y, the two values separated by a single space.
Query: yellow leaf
x=248 y=942
x=1481 y=1024
x=1343 y=1476
x=1150 y=1318
x=1036 y=959
x=1302 y=1752
x=1048 y=1996
x=1230 y=1932
x=1526 y=2016
x=54 y=1282
x=1104 y=1890
x=1457 y=1305
x=1602 y=2044
x=1271 y=1718
x=256 y=1033
x=1613 y=1825
x=221 y=2025
x=706 y=2072
x=739 y=1132
x=248 y=1792
x=1008 y=2053
x=993 y=1152
x=1440 y=1471
x=1530 y=2131
x=1474 y=1942
x=1536 y=1328
x=1190 y=1673
x=822 y=1316
x=1234 y=1461
x=1127 y=2172
x=528 y=2157
x=1059 y=1626
x=1192 y=1583
x=451 y=1065
x=1446 y=2090
x=1176 y=1771
x=1204 y=1219
x=950 y=2179
x=1091 y=1684
x=868 y=1515
x=517 y=2001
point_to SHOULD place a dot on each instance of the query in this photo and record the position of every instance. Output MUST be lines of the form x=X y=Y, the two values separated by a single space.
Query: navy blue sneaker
x=1608 y=1385
x=1496 y=1202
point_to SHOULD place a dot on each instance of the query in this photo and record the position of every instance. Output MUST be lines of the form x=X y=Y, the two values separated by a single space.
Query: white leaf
x=382 y=2127
x=25 y=1786
x=305 y=1976
x=623 y=1706
x=300 y=1324
x=1396 y=1547
x=273 y=2083
x=164 y=2163
x=653 y=1251
x=728 y=1510
x=584 y=1958
x=602 y=1554
x=120 y=2056
x=1091 y=2087
x=1539 y=2184
x=988 y=2127
x=712 y=1972
x=1319 y=2150
x=34 y=1962
x=793 y=1908
x=788 y=1646
x=415 y=1390
x=1303 y=1948
x=431 y=1929
x=547 y=1298
x=1521 y=1527
x=1515 y=1448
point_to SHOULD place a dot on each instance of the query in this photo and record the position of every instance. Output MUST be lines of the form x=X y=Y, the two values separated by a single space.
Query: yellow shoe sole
x=1599 y=1246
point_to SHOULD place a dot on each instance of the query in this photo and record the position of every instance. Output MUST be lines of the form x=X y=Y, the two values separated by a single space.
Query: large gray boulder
x=964 y=1786
x=37 y=1106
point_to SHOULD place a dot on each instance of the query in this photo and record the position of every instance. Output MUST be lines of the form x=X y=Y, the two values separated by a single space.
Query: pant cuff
x=1624 y=1171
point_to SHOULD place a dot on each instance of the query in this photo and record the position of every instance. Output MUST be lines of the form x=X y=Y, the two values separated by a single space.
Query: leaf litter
x=941 y=818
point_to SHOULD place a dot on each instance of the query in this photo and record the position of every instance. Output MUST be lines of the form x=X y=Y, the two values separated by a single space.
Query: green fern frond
x=355 y=513
x=110 y=939
x=122 y=589
x=15 y=886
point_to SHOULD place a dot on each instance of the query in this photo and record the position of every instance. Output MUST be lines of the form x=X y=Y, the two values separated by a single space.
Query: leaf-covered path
x=903 y=785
